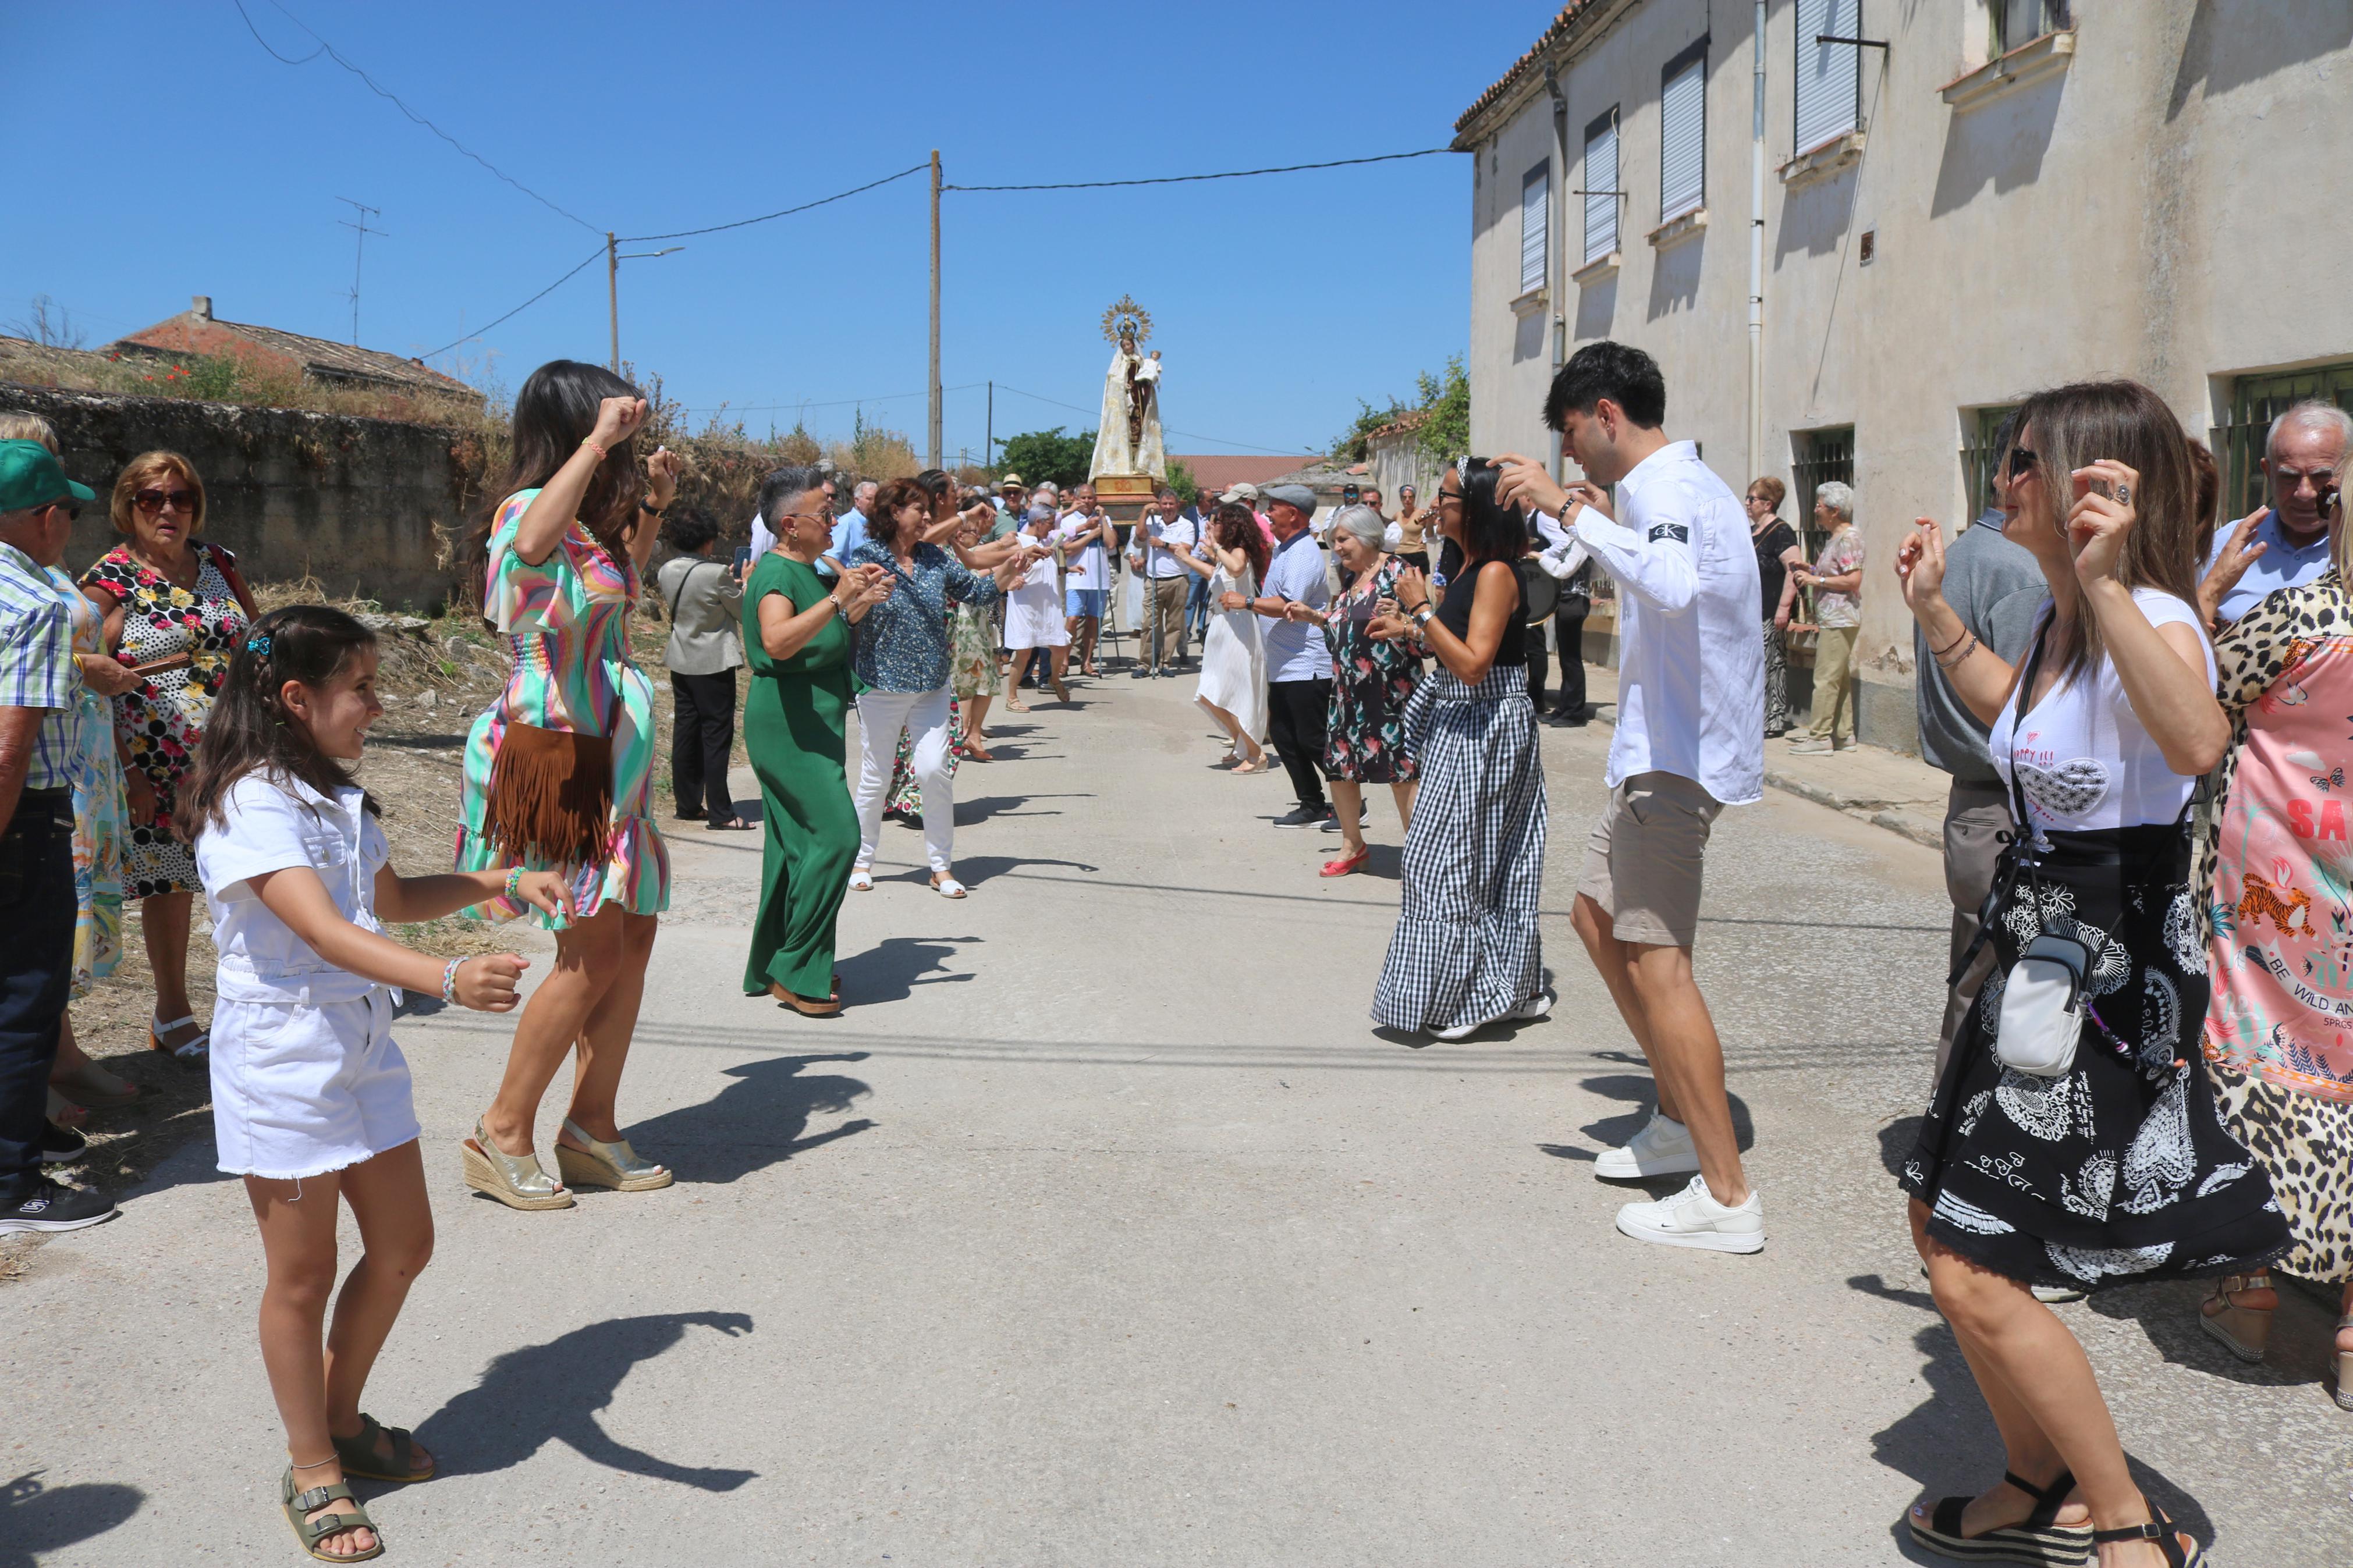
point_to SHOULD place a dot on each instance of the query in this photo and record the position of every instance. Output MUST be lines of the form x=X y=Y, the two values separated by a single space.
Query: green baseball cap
x=31 y=476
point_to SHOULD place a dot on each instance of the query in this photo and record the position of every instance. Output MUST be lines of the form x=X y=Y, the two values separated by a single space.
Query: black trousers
x=36 y=911
x=1295 y=713
x=1569 y=632
x=702 y=737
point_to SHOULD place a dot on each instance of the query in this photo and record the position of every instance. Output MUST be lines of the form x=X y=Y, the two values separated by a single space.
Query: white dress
x=1033 y=611
x=1233 y=656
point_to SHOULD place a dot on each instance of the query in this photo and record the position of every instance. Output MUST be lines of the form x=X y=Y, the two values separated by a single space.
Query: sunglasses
x=73 y=512
x=2021 y=459
x=152 y=502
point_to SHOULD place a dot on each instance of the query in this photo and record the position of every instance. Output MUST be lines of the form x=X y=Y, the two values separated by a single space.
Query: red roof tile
x=1569 y=14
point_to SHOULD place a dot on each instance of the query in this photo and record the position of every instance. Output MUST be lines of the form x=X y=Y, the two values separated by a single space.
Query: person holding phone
x=176 y=608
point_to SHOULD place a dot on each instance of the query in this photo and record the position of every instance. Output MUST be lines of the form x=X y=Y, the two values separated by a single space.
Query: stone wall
x=351 y=502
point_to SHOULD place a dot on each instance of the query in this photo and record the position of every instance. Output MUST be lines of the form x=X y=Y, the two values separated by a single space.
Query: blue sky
x=182 y=159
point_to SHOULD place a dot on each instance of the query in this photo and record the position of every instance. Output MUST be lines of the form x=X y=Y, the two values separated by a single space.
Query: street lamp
x=612 y=259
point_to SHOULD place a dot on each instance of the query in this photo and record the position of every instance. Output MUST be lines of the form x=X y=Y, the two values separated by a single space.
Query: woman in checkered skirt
x=1466 y=952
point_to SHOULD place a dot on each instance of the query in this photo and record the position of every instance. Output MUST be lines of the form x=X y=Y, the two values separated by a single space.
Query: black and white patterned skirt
x=2120 y=1170
x=1466 y=948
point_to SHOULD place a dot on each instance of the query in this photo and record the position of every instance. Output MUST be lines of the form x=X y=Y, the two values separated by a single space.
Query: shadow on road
x=973 y=870
x=1638 y=1089
x=530 y=1398
x=36 y=1519
x=987 y=807
x=891 y=969
x=755 y=1122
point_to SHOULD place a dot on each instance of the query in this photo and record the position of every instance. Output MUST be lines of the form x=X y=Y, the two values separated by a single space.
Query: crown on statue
x=1129 y=316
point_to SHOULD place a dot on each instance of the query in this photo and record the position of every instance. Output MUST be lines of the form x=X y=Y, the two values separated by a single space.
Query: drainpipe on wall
x=1555 y=243
x=1757 y=257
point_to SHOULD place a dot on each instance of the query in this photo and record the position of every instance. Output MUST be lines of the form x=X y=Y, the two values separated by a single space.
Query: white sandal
x=191 y=1052
x=946 y=887
x=861 y=879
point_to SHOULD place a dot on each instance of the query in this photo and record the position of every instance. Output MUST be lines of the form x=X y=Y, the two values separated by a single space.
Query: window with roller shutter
x=1601 y=186
x=1830 y=76
x=1535 y=227
x=1683 y=133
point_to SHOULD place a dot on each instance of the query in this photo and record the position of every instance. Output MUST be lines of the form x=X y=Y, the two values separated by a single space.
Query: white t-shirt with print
x=2085 y=760
x=1089 y=567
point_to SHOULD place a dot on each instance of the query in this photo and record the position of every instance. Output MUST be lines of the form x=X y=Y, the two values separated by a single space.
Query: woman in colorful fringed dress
x=559 y=772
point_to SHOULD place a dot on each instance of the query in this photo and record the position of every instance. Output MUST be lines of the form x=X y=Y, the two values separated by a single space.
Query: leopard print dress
x=2273 y=861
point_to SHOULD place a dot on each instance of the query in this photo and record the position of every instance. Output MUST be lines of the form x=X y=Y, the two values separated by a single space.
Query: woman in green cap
x=797 y=638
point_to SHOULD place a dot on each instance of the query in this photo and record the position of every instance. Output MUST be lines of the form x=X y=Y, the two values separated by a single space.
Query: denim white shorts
x=302 y=1088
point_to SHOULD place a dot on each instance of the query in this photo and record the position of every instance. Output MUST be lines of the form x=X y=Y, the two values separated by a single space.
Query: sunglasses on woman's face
x=2021 y=459
x=152 y=502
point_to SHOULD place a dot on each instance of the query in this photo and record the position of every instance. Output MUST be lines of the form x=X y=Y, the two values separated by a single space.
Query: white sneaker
x=1536 y=1007
x=1694 y=1218
x=1662 y=1148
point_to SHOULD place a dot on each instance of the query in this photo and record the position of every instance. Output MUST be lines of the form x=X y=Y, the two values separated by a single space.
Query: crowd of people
x=2141 y=1073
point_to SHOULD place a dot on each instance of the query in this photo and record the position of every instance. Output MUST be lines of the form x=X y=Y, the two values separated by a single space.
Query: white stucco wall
x=2175 y=205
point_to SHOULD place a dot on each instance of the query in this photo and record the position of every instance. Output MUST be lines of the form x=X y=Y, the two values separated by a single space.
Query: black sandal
x=2037 y=1538
x=2161 y=1531
x=358 y=1457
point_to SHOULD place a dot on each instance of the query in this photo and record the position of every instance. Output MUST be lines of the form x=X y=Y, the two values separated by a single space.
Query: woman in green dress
x=796 y=636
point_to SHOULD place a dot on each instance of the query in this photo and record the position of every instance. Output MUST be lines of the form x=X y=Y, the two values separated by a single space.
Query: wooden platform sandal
x=2161 y=1531
x=2038 y=1538
x=311 y=1531
x=359 y=1457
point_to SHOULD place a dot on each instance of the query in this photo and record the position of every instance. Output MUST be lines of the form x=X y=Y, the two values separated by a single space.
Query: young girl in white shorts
x=311 y=1099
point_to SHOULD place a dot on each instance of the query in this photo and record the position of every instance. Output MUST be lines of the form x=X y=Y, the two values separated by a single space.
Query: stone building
x=197 y=332
x=1984 y=198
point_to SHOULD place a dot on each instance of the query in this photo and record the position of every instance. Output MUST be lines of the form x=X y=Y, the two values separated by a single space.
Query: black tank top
x=1454 y=612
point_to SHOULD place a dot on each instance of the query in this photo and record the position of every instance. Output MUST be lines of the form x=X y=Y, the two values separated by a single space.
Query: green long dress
x=793 y=729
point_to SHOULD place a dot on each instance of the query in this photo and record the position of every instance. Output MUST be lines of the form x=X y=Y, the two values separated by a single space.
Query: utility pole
x=935 y=430
x=988 y=451
x=363 y=212
x=612 y=259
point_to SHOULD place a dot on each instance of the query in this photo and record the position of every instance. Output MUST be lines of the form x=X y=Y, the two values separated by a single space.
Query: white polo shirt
x=1691 y=675
x=1089 y=567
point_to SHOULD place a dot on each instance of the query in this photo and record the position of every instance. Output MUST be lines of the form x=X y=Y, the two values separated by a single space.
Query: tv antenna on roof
x=363 y=212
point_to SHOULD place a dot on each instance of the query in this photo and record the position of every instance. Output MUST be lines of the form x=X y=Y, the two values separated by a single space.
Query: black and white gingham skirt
x=1466 y=948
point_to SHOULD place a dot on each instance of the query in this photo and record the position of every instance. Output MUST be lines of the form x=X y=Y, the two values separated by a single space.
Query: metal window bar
x=2255 y=402
x=1980 y=458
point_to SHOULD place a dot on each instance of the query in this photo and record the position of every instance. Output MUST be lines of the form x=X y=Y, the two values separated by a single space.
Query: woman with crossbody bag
x=559 y=770
x=704 y=650
x=2072 y=1138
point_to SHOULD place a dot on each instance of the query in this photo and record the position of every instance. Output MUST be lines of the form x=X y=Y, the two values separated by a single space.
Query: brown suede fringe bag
x=551 y=797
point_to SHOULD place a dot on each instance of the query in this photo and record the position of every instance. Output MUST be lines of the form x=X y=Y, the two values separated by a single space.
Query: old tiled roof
x=1217 y=472
x=330 y=358
x=1533 y=60
x=1413 y=420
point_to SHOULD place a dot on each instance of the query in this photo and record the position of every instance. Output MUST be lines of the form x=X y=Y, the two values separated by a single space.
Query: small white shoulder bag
x=2043 y=1002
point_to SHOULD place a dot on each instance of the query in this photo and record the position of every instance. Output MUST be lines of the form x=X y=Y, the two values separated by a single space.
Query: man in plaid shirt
x=41 y=689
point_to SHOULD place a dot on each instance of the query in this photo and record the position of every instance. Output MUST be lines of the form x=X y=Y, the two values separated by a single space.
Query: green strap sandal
x=311 y=1531
x=359 y=1457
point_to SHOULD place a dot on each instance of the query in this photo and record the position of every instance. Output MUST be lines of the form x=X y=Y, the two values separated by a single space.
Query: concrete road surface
x=1103 y=1230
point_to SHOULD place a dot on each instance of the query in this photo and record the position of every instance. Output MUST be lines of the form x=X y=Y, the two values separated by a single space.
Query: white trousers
x=924 y=715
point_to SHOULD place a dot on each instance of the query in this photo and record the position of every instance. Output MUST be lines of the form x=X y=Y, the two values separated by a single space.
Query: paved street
x=1104 y=1231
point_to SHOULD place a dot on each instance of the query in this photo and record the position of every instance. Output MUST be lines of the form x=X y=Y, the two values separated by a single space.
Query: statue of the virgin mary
x=1128 y=440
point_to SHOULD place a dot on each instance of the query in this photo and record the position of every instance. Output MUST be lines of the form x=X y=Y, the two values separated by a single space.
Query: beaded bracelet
x=514 y=879
x=450 y=980
x=590 y=442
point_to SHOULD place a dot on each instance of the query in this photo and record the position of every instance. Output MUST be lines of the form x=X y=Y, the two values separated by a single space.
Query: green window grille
x=1979 y=457
x=1821 y=456
x=2017 y=23
x=2255 y=402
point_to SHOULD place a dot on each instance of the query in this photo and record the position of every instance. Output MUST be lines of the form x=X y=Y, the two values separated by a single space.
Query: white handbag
x=2043 y=1002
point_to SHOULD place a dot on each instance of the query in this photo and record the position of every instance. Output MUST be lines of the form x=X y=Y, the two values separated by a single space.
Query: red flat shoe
x=1347 y=863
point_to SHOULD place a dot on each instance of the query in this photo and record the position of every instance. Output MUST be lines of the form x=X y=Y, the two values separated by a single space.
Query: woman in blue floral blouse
x=1365 y=739
x=902 y=660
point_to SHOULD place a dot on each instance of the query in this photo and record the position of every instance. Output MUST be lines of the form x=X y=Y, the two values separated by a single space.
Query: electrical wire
x=329 y=50
x=835 y=403
x=786 y=212
x=1186 y=179
x=519 y=309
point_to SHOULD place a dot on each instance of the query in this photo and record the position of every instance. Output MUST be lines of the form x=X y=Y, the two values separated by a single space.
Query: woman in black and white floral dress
x=2119 y=1169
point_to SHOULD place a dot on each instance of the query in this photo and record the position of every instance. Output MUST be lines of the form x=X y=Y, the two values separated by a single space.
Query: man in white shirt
x=1690 y=740
x=2285 y=544
x=1165 y=531
x=850 y=528
x=1085 y=536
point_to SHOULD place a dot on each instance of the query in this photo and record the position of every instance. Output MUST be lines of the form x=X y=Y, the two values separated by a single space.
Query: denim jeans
x=37 y=912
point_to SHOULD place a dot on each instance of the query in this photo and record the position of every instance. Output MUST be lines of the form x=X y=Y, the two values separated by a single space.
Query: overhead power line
x=831 y=403
x=786 y=212
x=595 y=254
x=1186 y=179
x=329 y=50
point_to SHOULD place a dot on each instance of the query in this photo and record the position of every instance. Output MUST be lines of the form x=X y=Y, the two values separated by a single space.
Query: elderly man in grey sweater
x=1994 y=585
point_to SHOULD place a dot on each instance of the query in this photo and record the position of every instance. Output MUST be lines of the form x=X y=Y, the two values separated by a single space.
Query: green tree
x=1445 y=434
x=1180 y=477
x=1354 y=445
x=1038 y=455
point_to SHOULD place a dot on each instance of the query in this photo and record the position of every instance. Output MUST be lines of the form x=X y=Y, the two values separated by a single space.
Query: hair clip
x=259 y=643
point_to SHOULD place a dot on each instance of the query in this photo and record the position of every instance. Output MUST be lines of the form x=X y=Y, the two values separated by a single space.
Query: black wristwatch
x=645 y=505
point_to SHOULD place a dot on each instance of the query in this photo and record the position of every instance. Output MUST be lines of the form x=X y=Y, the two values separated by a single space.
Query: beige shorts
x=1644 y=863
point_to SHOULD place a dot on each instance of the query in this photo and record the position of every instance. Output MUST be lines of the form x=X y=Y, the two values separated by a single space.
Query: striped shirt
x=37 y=665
